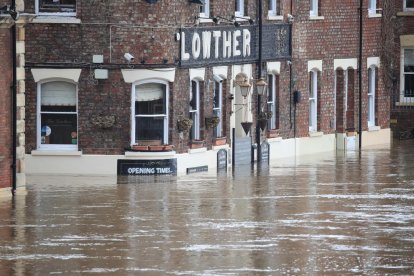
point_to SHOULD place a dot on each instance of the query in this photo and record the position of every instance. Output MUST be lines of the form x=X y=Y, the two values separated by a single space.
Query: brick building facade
x=89 y=104
x=400 y=65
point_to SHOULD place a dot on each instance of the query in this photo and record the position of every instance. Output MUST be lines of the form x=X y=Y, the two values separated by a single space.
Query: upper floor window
x=409 y=5
x=218 y=105
x=195 y=110
x=205 y=9
x=274 y=8
x=150 y=113
x=371 y=96
x=63 y=7
x=372 y=7
x=313 y=102
x=272 y=101
x=314 y=8
x=408 y=73
x=239 y=7
x=57 y=116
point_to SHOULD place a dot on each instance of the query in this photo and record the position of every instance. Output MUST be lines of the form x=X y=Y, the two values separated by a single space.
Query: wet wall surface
x=326 y=215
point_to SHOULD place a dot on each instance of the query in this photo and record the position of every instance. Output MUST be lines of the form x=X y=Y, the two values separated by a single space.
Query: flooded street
x=337 y=215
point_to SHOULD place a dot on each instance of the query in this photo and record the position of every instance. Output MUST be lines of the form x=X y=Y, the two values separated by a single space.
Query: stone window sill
x=374 y=128
x=275 y=17
x=405 y=13
x=55 y=19
x=56 y=153
x=315 y=134
x=374 y=15
x=312 y=17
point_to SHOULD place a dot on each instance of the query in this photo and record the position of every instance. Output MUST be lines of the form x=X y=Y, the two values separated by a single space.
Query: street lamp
x=245 y=87
x=261 y=87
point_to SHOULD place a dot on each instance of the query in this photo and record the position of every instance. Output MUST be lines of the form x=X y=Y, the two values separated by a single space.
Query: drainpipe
x=259 y=73
x=360 y=74
x=14 y=99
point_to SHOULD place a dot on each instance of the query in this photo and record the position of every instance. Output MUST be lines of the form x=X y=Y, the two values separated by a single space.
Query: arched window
x=195 y=109
x=57 y=115
x=150 y=113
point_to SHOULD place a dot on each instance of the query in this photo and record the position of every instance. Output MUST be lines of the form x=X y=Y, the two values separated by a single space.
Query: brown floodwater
x=324 y=215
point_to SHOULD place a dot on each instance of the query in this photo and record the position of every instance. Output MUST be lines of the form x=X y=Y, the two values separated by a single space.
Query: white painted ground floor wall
x=76 y=163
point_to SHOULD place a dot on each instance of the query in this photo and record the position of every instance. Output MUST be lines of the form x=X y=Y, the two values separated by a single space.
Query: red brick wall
x=5 y=108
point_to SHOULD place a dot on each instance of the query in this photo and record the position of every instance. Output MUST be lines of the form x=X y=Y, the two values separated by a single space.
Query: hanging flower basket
x=266 y=115
x=212 y=122
x=184 y=125
x=262 y=123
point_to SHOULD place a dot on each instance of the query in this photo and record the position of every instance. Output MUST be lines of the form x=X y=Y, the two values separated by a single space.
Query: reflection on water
x=335 y=215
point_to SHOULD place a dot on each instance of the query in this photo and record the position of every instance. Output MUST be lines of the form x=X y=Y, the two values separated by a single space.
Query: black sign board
x=242 y=150
x=228 y=44
x=197 y=169
x=147 y=167
x=264 y=152
x=222 y=160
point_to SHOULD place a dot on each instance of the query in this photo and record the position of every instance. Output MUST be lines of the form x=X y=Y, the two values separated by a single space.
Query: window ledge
x=199 y=150
x=56 y=153
x=205 y=20
x=313 y=17
x=275 y=17
x=274 y=140
x=55 y=19
x=242 y=18
x=146 y=154
x=315 y=133
x=374 y=15
x=405 y=13
x=374 y=128
x=404 y=103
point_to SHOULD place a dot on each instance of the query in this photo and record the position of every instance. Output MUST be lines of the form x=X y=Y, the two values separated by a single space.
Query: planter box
x=219 y=141
x=139 y=148
x=196 y=144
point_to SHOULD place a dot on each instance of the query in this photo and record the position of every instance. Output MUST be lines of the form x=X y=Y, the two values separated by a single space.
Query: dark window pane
x=57 y=5
x=61 y=128
x=55 y=108
x=149 y=128
x=409 y=3
x=193 y=102
x=150 y=107
x=409 y=85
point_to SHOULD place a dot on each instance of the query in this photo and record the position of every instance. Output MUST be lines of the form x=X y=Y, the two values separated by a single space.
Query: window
x=272 y=101
x=239 y=7
x=408 y=73
x=409 y=5
x=313 y=11
x=150 y=113
x=274 y=8
x=313 y=101
x=65 y=7
x=218 y=106
x=372 y=7
x=57 y=111
x=371 y=97
x=205 y=9
x=195 y=110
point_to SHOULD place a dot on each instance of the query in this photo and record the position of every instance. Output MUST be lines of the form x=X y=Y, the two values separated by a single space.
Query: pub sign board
x=229 y=44
x=264 y=152
x=147 y=167
x=222 y=160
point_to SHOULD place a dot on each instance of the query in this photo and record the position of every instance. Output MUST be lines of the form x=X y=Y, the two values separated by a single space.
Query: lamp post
x=259 y=73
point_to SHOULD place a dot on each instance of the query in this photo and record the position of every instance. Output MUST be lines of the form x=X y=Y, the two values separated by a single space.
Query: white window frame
x=273 y=8
x=371 y=96
x=405 y=7
x=37 y=10
x=403 y=98
x=133 y=116
x=63 y=147
x=314 y=8
x=313 y=102
x=195 y=130
x=239 y=5
x=272 y=103
x=218 y=110
x=206 y=7
x=372 y=7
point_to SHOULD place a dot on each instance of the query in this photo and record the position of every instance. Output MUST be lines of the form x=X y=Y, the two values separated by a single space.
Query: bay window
x=57 y=116
x=150 y=113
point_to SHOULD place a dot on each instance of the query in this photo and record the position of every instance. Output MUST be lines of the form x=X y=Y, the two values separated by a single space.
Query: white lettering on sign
x=149 y=170
x=229 y=41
